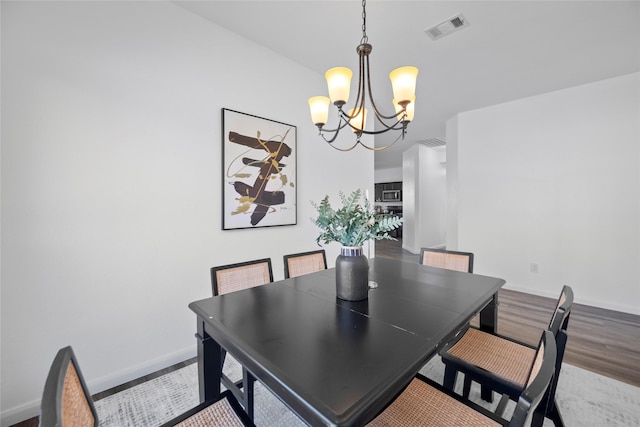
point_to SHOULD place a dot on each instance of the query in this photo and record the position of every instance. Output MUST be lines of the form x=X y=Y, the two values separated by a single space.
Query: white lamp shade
x=410 y=109
x=339 y=84
x=358 y=122
x=403 y=81
x=319 y=107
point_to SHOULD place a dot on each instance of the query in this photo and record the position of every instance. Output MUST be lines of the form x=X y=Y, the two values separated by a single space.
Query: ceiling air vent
x=432 y=142
x=447 y=27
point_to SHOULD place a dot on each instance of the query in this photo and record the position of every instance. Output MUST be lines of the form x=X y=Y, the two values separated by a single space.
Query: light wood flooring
x=603 y=341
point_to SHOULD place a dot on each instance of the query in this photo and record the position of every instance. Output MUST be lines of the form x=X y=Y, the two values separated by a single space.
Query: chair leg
x=538 y=418
x=467 y=386
x=554 y=415
x=486 y=393
x=450 y=375
x=502 y=405
x=222 y=357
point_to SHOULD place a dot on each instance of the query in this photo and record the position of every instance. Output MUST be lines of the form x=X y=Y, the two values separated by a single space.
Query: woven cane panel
x=305 y=264
x=238 y=278
x=536 y=364
x=421 y=404
x=501 y=357
x=75 y=408
x=445 y=260
x=218 y=414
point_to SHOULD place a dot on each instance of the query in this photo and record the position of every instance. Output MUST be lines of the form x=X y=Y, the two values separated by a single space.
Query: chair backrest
x=66 y=400
x=451 y=260
x=243 y=275
x=542 y=372
x=560 y=318
x=558 y=327
x=304 y=263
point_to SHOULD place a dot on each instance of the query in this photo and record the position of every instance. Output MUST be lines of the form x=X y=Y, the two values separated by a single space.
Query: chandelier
x=403 y=82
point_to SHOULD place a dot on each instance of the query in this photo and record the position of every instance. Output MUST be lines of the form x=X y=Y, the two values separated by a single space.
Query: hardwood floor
x=603 y=341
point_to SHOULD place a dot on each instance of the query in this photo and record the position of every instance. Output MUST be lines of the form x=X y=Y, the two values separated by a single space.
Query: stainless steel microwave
x=391 y=195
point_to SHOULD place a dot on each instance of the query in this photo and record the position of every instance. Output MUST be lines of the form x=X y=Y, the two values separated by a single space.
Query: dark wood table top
x=335 y=362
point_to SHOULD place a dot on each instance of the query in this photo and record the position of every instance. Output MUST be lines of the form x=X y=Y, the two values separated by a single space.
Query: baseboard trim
x=584 y=301
x=20 y=413
x=109 y=381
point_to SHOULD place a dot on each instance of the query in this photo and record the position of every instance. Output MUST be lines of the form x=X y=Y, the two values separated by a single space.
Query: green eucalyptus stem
x=354 y=223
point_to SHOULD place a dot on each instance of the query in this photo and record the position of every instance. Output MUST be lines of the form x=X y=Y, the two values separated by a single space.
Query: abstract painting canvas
x=259 y=171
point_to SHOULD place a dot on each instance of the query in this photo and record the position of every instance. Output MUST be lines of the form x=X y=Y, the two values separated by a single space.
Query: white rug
x=584 y=399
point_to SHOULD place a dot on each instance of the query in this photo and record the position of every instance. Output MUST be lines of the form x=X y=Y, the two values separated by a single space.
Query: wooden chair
x=232 y=278
x=501 y=363
x=426 y=403
x=451 y=260
x=243 y=275
x=66 y=401
x=304 y=263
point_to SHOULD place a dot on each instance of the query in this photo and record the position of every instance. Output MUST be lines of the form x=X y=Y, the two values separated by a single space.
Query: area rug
x=584 y=399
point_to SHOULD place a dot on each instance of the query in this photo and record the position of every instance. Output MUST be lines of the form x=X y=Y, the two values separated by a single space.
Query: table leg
x=489 y=316
x=489 y=323
x=247 y=384
x=209 y=365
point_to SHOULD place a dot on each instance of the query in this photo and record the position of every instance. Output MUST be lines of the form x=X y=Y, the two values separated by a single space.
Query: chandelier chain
x=365 y=39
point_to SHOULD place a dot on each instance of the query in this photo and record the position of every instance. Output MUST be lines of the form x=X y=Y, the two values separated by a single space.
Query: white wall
x=553 y=180
x=424 y=198
x=411 y=187
x=452 y=184
x=387 y=175
x=111 y=177
x=433 y=200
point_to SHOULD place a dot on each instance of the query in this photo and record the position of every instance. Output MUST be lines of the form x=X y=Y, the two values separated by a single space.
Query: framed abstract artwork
x=259 y=171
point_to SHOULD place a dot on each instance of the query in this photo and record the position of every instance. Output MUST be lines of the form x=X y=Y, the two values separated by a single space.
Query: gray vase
x=352 y=274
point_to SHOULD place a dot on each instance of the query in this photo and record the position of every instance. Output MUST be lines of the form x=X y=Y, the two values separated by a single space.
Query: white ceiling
x=511 y=50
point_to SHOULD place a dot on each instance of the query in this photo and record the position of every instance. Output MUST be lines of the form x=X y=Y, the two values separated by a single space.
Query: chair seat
x=501 y=357
x=427 y=403
x=422 y=404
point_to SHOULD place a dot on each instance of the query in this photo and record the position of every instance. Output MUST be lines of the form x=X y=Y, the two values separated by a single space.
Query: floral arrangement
x=354 y=223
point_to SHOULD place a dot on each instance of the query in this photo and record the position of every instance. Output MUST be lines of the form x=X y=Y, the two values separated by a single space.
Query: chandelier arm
x=347 y=122
x=355 y=144
x=381 y=148
x=335 y=131
x=358 y=141
x=388 y=128
x=373 y=104
x=359 y=102
x=360 y=96
x=399 y=116
x=399 y=124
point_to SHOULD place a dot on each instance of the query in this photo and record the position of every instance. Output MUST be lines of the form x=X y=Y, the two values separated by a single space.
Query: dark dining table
x=335 y=362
